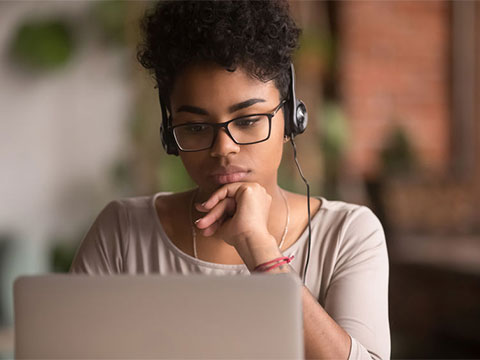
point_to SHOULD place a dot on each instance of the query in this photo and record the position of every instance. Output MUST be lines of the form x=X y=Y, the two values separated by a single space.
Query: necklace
x=194 y=235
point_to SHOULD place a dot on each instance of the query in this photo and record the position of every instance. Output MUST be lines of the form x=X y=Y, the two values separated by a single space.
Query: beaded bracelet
x=279 y=261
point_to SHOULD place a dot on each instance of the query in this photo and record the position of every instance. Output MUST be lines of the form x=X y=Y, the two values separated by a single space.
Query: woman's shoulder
x=162 y=199
x=129 y=209
x=343 y=215
x=334 y=208
x=347 y=212
x=340 y=206
x=358 y=226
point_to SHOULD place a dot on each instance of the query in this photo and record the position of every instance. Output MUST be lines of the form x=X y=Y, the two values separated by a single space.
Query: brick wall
x=477 y=95
x=395 y=69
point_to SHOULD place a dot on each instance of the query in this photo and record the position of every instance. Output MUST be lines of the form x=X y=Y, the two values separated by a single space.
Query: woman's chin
x=211 y=186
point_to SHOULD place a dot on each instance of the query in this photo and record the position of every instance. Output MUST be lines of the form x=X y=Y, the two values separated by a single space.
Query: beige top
x=347 y=272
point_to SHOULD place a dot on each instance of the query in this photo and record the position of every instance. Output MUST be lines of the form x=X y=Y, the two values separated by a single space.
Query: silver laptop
x=150 y=316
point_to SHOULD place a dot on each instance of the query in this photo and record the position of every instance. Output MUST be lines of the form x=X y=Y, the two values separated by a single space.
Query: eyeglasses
x=244 y=130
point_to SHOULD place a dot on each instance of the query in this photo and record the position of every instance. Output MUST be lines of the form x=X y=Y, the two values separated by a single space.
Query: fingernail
x=196 y=221
x=203 y=204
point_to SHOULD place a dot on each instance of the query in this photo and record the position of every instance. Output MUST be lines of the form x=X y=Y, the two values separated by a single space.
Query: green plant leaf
x=42 y=44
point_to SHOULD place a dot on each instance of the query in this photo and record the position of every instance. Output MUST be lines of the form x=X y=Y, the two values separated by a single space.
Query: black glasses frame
x=224 y=125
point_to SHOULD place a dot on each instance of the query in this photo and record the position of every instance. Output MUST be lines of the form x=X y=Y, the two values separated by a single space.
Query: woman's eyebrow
x=244 y=104
x=192 y=109
x=231 y=109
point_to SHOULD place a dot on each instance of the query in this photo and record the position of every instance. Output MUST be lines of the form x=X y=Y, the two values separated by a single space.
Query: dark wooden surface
x=434 y=312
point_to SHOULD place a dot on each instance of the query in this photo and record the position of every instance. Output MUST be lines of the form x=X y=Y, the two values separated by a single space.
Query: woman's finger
x=226 y=191
x=212 y=229
x=224 y=208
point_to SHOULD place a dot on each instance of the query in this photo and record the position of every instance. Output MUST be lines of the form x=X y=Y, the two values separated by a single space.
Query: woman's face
x=209 y=93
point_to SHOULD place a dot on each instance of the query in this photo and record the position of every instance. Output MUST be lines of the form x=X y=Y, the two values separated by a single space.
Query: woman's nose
x=223 y=145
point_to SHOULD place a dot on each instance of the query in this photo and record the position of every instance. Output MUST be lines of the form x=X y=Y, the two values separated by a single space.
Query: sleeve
x=357 y=297
x=101 y=251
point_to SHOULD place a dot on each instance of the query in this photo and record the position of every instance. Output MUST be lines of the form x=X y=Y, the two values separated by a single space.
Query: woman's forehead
x=209 y=85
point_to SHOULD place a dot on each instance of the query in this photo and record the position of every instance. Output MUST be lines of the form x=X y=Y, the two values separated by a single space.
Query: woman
x=223 y=75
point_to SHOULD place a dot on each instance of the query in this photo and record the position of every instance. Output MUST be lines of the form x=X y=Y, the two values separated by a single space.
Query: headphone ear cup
x=168 y=142
x=298 y=120
x=297 y=111
x=301 y=118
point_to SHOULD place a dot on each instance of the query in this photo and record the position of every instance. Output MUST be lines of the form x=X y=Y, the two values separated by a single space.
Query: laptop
x=150 y=316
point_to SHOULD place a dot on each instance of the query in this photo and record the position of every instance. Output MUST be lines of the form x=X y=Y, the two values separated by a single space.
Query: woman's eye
x=196 y=128
x=248 y=122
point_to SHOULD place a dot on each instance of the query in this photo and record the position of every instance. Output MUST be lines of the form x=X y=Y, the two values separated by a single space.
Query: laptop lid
x=151 y=316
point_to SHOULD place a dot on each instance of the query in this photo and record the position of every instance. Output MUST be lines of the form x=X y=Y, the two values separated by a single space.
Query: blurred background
x=393 y=93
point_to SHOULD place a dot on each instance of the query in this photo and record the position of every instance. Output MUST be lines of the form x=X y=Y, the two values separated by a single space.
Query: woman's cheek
x=192 y=168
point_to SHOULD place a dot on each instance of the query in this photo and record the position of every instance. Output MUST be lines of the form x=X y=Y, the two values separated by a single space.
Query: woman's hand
x=236 y=211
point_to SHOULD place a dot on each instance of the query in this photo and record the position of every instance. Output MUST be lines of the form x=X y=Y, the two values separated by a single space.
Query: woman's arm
x=357 y=296
x=354 y=323
x=323 y=338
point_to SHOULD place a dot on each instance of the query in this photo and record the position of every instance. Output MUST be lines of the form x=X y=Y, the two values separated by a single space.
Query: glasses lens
x=194 y=136
x=250 y=129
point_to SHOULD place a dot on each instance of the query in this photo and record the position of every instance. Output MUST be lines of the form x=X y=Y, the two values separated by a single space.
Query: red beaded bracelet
x=279 y=261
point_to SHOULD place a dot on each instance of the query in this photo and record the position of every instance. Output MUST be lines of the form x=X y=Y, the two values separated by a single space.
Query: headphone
x=296 y=117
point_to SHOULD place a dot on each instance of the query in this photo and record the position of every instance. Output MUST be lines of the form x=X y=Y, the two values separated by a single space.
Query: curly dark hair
x=258 y=36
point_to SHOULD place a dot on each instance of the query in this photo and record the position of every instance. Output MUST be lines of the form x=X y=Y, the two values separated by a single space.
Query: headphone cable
x=308 y=207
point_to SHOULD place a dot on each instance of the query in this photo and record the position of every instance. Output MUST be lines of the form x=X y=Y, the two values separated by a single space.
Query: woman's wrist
x=256 y=249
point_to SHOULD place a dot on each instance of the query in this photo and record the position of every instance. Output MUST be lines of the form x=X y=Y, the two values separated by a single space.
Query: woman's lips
x=229 y=177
